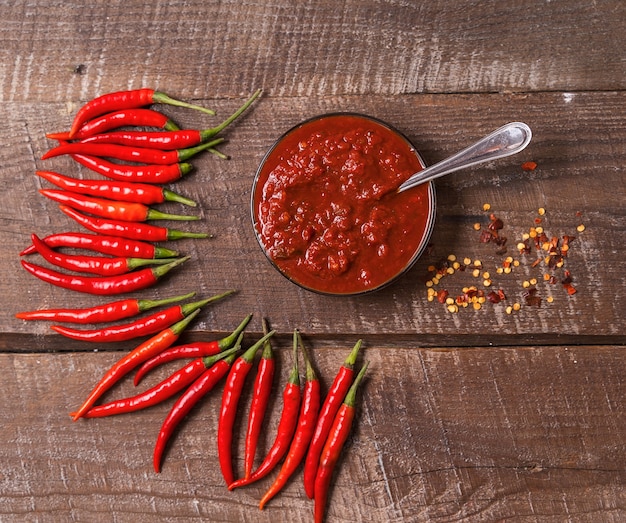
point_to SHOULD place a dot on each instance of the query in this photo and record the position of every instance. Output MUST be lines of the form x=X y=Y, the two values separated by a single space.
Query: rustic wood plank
x=202 y=49
x=530 y=433
x=580 y=156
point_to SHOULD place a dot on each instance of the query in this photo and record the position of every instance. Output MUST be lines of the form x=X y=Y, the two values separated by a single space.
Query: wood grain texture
x=580 y=158
x=68 y=53
x=532 y=434
x=478 y=416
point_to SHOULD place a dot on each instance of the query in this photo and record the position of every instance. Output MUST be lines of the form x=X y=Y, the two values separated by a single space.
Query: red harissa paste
x=326 y=210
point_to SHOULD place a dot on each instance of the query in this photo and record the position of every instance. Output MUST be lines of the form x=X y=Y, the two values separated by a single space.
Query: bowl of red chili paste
x=326 y=211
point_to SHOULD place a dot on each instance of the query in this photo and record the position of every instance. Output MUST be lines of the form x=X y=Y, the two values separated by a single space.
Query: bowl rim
x=430 y=221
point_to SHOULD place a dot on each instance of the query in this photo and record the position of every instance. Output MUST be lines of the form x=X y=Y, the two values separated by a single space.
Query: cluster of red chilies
x=309 y=430
x=105 y=137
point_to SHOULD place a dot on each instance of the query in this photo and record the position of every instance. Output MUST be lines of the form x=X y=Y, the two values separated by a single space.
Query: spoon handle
x=505 y=141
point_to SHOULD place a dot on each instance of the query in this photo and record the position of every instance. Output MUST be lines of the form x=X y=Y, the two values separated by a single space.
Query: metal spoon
x=505 y=141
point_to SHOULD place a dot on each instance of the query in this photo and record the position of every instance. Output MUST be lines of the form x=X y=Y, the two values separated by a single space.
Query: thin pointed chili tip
x=144 y=351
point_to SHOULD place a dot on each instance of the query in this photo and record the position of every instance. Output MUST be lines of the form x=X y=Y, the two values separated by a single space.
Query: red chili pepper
x=196 y=349
x=134 y=117
x=342 y=424
x=134 y=173
x=230 y=400
x=286 y=426
x=113 y=311
x=130 y=153
x=103 y=285
x=334 y=398
x=260 y=399
x=160 y=392
x=120 y=191
x=93 y=264
x=124 y=211
x=194 y=393
x=112 y=245
x=137 y=356
x=142 y=327
x=171 y=140
x=131 y=230
x=304 y=431
x=125 y=100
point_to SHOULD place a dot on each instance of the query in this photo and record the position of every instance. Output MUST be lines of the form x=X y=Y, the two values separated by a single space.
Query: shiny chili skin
x=171 y=140
x=133 y=117
x=105 y=208
x=144 y=193
x=292 y=396
x=161 y=391
x=93 y=264
x=144 y=326
x=112 y=311
x=260 y=398
x=304 y=432
x=334 y=398
x=230 y=401
x=112 y=245
x=129 y=153
x=165 y=140
x=157 y=343
x=129 y=99
x=194 y=393
x=196 y=349
x=102 y=285
x=131 y=230
x=338 y=434
x=134 y=173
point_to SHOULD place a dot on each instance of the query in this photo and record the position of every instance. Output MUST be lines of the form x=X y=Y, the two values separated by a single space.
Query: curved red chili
x=93 y=264
x=142 y=327
x=103 y=285
x=130 y=153
x=260 y=399
x=114 y=190
x=116 y=210
x=328 y=411
x=132 y=230
x=112 y=311
x=133 y=117
x=194 y=393
x=112 y=245
x=170 y=140
x=137 y=356
x=304 y=432
x=134 y=173
x=339 y=432
x=230 y=400
x=130 y=99
x=160 y=392
x=292 y=396
x=196 y=349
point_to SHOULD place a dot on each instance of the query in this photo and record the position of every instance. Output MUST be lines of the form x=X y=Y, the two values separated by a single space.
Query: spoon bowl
x=507 y=140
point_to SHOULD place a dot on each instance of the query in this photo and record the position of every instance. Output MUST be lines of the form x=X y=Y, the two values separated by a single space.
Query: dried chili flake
x=529 y=166
x=531 y=298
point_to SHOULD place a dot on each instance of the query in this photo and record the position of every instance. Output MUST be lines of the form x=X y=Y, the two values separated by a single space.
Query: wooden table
x=474 y=415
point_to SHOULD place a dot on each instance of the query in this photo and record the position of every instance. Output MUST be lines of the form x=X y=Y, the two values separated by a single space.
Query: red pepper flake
x=531 y=298
x=529 y=166
x=494 y=297
x=442 y=295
